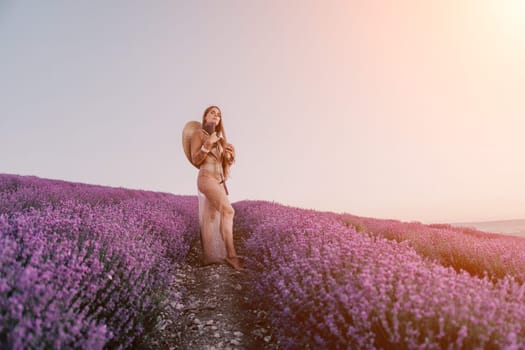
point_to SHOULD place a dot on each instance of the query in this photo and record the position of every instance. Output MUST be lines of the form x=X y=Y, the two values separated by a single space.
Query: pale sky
x=409 y=109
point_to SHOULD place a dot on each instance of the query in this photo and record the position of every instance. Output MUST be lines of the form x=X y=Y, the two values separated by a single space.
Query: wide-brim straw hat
x=187 y=133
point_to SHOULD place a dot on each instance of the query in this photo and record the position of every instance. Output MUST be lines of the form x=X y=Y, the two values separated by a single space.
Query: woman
x=213 y=155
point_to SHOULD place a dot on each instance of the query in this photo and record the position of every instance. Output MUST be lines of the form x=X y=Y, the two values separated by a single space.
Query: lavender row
x=327 y=286
x=18 y=193
x=84 y=268
x=477 y=252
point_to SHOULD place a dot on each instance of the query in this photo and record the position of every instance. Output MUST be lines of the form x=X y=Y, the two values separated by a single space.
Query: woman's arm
x=198 y=149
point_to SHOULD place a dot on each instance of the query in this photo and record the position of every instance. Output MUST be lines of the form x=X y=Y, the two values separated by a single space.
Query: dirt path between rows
x=214 y=312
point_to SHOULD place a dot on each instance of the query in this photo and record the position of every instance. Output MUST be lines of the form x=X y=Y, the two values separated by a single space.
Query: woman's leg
x=216 y=195
x=227 y=213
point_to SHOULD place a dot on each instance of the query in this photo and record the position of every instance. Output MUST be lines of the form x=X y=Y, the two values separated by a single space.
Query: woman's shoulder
x=199 y=134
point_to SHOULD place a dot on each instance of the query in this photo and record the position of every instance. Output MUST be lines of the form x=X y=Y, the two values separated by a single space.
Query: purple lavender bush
x=327 y=286
x=479 y=253
x=85 y=266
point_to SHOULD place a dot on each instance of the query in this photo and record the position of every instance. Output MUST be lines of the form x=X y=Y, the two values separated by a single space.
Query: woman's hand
x=211 y=140
x=229 y=152
x=229 y=148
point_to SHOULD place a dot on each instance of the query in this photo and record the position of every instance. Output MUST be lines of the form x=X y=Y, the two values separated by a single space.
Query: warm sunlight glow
x=509 y=16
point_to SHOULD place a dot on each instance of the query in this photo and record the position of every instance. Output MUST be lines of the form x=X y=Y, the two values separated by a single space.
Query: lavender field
x=340 y=281
x=84 y=266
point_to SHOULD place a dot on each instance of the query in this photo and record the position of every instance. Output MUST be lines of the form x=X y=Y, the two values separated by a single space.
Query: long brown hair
x=219 y=129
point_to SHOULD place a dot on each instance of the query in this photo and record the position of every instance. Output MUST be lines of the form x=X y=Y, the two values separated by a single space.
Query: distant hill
x=511 y=227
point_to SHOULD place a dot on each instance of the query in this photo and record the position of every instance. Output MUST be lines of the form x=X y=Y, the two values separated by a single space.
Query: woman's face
x=213 y=115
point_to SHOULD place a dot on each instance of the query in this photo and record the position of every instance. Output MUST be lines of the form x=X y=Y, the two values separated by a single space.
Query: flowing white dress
x=213 y=246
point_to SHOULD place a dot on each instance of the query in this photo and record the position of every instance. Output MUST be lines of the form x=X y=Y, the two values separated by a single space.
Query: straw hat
x=189 y=129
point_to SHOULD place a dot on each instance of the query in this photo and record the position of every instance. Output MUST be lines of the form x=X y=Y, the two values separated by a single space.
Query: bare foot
x=234 y=262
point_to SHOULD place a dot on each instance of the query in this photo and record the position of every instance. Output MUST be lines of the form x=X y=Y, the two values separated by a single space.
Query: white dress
x=213 y=246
